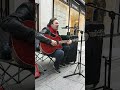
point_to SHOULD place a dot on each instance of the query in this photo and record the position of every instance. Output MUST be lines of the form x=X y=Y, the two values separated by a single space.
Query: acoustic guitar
x=49 y=49
x=24 y=52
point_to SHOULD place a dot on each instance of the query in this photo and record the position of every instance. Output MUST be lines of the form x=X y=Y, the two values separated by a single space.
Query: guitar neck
x=63 y=41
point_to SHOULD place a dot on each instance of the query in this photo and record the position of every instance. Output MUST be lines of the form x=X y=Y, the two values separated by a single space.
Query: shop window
x=61 y=12
x=71 y=17
x=74 y=21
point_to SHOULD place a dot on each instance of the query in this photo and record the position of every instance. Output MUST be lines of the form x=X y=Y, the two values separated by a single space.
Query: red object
x=37 y=72
x=1 y=88
x=49 y=49
x=24 y=52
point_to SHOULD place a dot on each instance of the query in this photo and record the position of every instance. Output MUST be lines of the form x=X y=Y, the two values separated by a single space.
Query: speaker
x=93 y=52
x=72 y=54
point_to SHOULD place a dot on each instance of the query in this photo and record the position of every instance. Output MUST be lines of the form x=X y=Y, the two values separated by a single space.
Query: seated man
x=59 y=54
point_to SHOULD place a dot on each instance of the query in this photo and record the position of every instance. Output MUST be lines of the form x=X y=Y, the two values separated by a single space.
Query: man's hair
x=51 y=21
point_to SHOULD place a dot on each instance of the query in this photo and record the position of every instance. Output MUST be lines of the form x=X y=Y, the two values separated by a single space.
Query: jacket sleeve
x=40 y=36
x=65 y=37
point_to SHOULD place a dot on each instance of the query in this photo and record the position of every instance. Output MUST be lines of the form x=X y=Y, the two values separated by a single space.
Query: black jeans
x=18 y=30
x=66 y=49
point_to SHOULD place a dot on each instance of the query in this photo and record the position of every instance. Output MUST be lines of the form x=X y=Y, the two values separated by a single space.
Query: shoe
x=67 y=63
x=56 y=69
x=62 y=65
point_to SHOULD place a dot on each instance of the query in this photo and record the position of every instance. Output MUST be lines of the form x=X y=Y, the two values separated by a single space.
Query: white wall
x=36 y=1
x=46 y=7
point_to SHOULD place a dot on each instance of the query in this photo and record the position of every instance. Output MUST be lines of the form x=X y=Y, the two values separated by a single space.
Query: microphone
x=64 y=27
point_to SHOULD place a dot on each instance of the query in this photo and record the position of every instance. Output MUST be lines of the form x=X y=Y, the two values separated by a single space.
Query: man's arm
x=65 y=37
x=42 y=38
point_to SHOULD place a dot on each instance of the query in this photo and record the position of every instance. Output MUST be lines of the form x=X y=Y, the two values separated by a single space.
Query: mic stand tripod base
x=74 y=73
x=79 y=62
x=104 y=88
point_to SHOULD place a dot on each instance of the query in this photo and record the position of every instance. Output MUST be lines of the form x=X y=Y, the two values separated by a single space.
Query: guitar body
x=24 y=52
x=49 y=49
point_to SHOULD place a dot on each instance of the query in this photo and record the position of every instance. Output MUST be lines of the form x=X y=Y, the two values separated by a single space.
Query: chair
x=39 y=56
x=13 y=77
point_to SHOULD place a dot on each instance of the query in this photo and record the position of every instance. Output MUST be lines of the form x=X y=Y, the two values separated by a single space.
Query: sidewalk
x=53 y=81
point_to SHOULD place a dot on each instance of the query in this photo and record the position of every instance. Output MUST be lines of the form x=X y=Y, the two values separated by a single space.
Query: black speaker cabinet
x=93 y=52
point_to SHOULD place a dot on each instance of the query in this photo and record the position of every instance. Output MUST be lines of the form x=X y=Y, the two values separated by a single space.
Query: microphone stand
x=107 y=81
x=67 y=27
x=68 y=33
x=79 y=61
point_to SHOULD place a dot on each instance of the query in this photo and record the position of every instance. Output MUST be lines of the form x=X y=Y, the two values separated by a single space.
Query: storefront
x=70 y=14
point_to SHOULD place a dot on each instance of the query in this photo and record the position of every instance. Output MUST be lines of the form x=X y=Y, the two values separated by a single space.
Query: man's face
x=55 y=25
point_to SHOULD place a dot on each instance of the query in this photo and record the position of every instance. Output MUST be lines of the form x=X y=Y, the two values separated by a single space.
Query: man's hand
x=69 y=42
x=53 y=43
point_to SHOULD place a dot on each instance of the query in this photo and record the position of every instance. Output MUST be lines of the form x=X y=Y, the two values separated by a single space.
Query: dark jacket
x=25 y=11
x=14 y=22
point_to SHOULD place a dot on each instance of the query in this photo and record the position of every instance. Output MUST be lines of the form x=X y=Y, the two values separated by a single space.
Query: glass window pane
x=61 y=12
x=74 y=17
